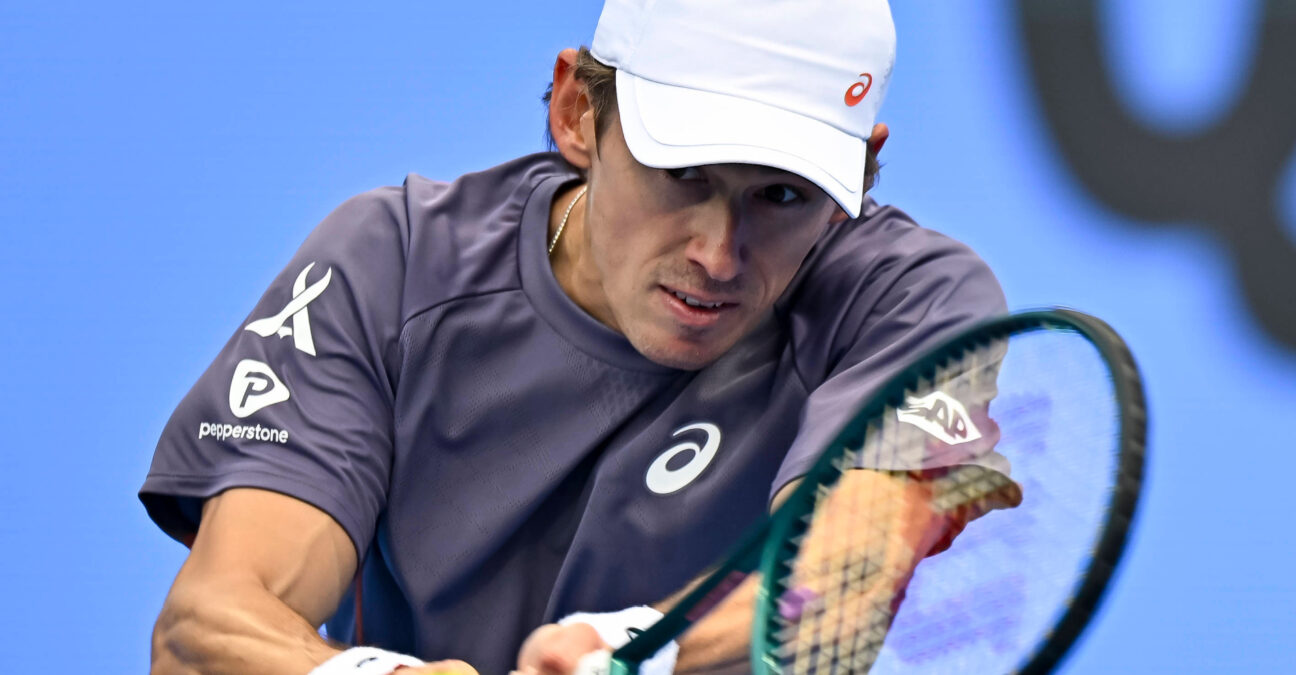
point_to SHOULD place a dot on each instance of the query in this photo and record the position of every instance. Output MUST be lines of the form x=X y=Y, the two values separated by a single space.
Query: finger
x=565 y=647
x=448 y=667
x=529 y=654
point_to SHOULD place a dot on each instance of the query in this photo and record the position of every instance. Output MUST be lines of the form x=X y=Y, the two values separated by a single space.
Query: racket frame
x=774 y=540
x=788 y=525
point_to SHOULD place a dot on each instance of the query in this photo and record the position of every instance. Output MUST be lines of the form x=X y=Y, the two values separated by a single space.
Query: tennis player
x=564 y=385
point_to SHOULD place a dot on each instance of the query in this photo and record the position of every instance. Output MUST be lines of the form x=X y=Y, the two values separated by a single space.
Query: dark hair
x=600 y=86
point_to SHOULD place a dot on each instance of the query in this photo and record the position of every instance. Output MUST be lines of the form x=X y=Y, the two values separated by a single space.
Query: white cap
x=792 y=84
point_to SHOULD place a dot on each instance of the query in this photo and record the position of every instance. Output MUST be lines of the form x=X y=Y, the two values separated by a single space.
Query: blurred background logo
x=1228 y=176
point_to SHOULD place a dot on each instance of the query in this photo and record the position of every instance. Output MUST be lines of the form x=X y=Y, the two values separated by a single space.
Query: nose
x=717 y=244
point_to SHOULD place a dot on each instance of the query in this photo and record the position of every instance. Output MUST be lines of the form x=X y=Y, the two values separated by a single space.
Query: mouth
x=696 y=310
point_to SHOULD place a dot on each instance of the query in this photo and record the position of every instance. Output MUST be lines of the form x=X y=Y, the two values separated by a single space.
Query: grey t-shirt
x=498 y=457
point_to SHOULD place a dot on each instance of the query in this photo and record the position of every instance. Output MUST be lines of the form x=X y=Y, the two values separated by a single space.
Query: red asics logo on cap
x=859 y=90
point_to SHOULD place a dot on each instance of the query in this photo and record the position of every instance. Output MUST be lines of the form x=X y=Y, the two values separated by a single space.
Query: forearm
x=893 y=520
x=720 y=643
x=233 y=627
x=264 y=571
x=899 y=529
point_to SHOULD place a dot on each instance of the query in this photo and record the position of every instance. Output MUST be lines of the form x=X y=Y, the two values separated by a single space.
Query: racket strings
x=840 y=594
x=997 y=594
x=840 y=627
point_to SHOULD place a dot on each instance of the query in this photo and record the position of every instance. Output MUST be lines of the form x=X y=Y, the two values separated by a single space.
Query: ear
x=879 y=138
x=839 y=216
x=567 y=106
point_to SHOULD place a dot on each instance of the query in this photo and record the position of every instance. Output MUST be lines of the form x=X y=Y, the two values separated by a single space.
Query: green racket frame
x=770 y=544
x=788 y=525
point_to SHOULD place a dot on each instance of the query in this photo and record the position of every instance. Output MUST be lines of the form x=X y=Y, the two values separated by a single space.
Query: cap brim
x=668 y=127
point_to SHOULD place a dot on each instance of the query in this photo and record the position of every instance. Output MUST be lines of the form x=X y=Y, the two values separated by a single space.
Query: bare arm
x=910 y=525
x=264 y=571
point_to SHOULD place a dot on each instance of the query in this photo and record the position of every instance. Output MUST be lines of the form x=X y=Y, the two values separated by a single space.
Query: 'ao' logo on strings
x=940 y=415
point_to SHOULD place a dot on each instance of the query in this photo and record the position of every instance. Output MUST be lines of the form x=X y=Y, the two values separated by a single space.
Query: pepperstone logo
x=295 y=310
x=940 y=415
x=254 y=387
x=257 y=432
x=1228 y=177
x=681 y=464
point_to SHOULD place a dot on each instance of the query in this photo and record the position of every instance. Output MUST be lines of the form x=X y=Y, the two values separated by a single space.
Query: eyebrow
x=765 y=170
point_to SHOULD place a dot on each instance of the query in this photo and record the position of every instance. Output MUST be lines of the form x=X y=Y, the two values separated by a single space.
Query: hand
x=555 y=650
x=439 y=668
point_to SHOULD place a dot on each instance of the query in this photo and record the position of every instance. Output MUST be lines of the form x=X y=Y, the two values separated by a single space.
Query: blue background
x=160 y=163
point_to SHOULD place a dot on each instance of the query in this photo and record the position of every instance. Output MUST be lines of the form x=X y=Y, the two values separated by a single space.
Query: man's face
x=685 y=262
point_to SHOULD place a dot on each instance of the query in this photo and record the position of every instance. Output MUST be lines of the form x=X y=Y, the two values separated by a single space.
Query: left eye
x=685 y=173
x=781 y=194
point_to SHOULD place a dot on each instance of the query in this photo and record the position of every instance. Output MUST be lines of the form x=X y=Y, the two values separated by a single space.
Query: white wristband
x=365 y=661
x=614 y=629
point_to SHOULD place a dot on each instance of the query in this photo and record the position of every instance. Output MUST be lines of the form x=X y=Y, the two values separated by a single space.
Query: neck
x=575 y=273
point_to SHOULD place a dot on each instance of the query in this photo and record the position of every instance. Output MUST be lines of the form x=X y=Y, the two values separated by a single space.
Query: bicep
x=292 y=549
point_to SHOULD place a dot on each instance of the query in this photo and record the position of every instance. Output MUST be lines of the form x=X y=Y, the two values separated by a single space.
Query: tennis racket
x=1025 y=437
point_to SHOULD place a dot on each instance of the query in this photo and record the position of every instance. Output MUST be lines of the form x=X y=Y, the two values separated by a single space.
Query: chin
x=680 y=356
x=680 y=361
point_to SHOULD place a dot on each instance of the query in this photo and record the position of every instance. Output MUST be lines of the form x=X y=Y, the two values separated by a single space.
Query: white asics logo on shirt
x=940 y=415
x=296 y=310
x=664 y=480
x=254 y=387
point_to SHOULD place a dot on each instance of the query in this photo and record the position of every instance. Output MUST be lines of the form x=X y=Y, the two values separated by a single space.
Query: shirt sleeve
x=884 y=312
x=300 y=400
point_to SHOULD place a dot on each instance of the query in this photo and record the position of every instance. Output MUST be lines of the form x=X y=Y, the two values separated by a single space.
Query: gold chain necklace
x=566 y=215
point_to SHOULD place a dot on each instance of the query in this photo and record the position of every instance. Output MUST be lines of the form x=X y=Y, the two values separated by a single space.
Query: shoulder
x=884 y=252
x=464 y=234
x=429 y=209
x=882 y=278
x=447 y=238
